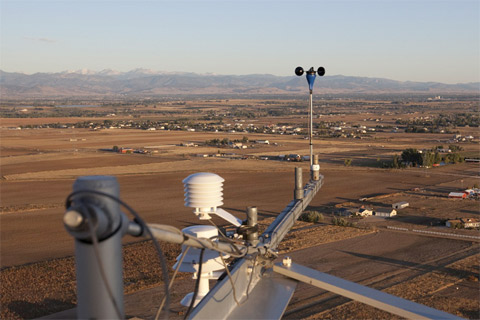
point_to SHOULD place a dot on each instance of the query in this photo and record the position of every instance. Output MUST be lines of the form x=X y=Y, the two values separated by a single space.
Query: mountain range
x=143 y=82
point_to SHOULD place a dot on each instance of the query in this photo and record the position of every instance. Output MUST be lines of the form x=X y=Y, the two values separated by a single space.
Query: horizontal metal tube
x=375 y=298
x=174 y=235
x=286 y=219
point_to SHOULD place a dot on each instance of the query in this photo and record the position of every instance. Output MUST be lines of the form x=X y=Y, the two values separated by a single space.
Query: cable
x=161 y=256
x=200 y=242
x=197 y=284
x=251 y=274
x=231 y=282
x=184 y=254
x=99 y=262
x=226 y=239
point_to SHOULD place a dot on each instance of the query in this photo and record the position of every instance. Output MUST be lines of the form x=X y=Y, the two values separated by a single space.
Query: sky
x=422 y=40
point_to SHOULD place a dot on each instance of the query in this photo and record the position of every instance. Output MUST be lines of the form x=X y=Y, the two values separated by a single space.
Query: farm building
x=463 y=223
x=457 y=195
x=263 y=141
x=385 y=213
x=125 y=150
x=470 y=223
x=471 y=193
x=400 y=205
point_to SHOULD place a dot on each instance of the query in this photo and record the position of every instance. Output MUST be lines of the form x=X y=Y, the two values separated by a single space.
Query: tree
x=453 y=158
x=455 y=148
x=412 y=156
x=427 y=159
x=395 y=163
x=115 y=149
x=437 y=158
x=347 y=162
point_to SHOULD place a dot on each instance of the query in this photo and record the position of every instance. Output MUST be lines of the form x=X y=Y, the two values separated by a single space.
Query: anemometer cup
x=299 y=71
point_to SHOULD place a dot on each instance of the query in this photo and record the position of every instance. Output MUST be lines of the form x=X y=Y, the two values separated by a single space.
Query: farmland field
x=39 y=166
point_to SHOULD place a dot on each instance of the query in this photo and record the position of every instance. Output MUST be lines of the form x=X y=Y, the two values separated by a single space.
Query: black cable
x=251 y=274
x=183 y=255
x=226 y=239
x=145 y=227
x=197 y=284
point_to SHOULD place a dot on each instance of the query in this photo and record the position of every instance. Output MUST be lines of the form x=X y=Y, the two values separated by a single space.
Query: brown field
x=39 y=166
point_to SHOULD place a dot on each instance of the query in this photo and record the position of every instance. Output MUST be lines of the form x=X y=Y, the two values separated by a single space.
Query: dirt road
x=383 y=260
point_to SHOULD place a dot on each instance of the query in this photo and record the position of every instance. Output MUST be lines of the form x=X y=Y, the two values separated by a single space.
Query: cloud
x=47 y=40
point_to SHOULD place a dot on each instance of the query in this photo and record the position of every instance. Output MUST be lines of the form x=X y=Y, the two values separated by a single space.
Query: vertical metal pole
x=298 y=192
x=252 y=218
x=311 y=127
x=94 y=301
x=315 y=169
x=99 y=268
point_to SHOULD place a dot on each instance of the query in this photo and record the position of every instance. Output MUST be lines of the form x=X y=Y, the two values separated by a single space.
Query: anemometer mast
x=311 y=75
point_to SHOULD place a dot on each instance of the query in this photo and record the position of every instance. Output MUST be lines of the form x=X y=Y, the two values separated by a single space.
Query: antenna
x=311 y=75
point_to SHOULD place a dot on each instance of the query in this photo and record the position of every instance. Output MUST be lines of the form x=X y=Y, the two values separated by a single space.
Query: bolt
x=287 y=261
x=73 y=219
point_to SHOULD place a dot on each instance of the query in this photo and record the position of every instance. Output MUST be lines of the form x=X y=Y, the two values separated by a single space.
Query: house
x=236 y=145
x=188 y=144
x=470 y=222
x=457 y=195
x=387 y=213
x=362 y=212
x=400 y=205
x=294 y=158
x=444 y=150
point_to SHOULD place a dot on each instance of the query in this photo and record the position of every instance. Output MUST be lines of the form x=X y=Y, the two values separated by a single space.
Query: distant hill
x=142 y=82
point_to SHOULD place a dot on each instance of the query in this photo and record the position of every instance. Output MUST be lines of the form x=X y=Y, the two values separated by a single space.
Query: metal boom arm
x=237 y=302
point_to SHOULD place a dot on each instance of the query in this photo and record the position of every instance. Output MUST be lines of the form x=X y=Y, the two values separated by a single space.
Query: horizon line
x=85 y=71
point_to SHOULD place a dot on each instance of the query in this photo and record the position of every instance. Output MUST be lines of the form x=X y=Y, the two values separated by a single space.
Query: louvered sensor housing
x=204 y=192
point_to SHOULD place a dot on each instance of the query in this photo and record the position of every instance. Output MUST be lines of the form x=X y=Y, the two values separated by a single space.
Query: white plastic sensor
x=211 y=264
x=204 y=192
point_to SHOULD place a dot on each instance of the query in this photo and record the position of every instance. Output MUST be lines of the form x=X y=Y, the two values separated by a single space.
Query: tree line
x=412 y=157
